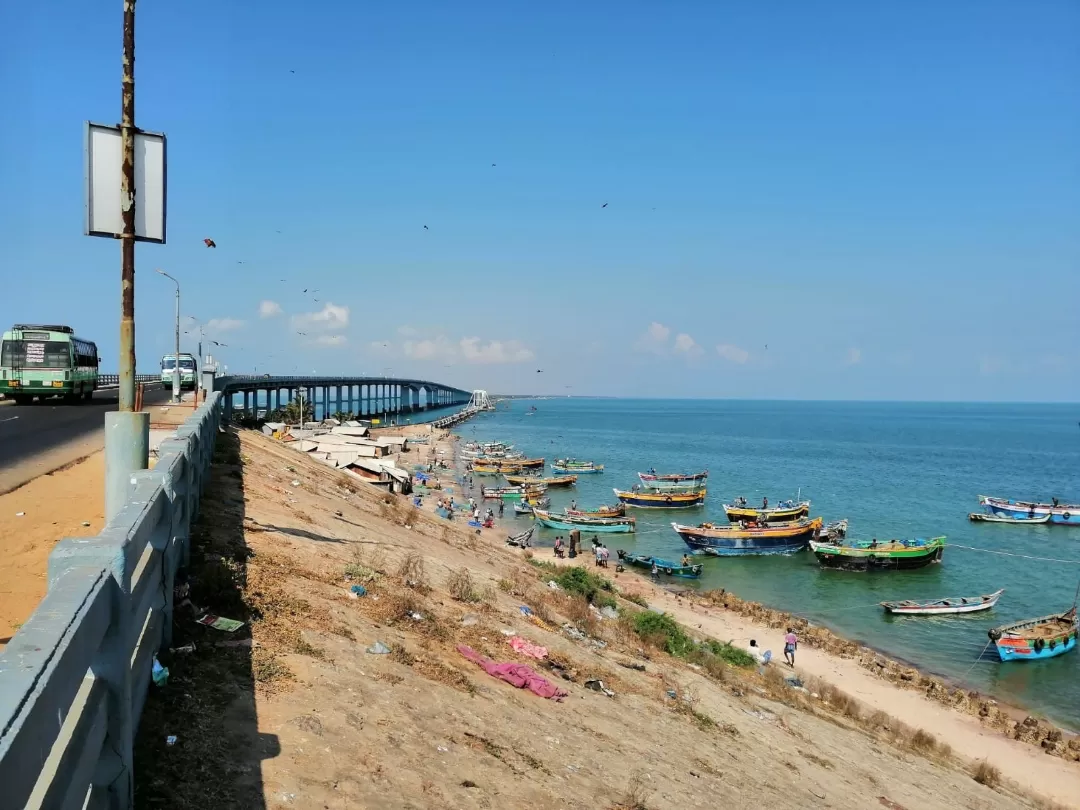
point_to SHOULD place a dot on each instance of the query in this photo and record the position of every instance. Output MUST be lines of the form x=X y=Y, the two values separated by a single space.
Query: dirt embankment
x=293 y=710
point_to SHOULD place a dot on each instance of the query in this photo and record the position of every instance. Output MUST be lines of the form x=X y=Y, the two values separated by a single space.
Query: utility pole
x=127 y=209
x=176 y=367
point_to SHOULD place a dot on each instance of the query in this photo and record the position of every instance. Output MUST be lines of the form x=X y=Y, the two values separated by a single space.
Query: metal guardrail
x=74 y=678
x=113 y=380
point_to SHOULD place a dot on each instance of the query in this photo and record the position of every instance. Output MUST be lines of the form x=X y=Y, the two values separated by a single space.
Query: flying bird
x=239 y=262
x=539 y=371
x=492 y=164
x=426 y=228
x=302 y=333
x=604 y=205
x=292 y=71
x=210 y=243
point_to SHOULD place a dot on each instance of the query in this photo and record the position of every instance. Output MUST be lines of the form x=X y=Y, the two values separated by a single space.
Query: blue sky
x=885 y=195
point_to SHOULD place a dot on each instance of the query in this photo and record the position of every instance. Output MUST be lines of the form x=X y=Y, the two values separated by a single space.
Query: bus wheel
x=88 y=395
x=22 y=399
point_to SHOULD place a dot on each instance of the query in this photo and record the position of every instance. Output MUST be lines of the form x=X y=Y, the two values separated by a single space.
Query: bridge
x=74 y=677
x=362 y=396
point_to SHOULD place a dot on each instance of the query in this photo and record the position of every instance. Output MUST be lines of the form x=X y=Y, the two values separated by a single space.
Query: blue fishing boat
x=660 y=500
x=1035 y=639
x=567 y=522
x=665 y=567
x=571 y=466
x=729 y=541
x=1064 y=514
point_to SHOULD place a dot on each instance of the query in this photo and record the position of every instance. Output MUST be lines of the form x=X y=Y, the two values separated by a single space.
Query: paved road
x=35 y=439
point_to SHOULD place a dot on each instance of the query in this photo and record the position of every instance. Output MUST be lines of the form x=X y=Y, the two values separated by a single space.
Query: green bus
x=47 y=360
x=188 y=372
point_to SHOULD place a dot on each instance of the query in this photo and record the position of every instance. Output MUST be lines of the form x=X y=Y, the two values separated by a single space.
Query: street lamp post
x=176 y=357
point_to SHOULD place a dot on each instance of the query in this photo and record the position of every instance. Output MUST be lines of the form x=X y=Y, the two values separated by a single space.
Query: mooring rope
x=978 y=659
x=1011 y=554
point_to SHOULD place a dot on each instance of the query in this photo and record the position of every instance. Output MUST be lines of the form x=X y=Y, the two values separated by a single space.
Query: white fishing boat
x=961 y=604
x=986 y=517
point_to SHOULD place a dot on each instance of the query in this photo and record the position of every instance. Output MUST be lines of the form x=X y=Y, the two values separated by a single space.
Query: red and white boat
x=962 y=604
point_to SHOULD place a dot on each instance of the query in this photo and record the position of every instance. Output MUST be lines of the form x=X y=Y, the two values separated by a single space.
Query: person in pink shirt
x=791 y=643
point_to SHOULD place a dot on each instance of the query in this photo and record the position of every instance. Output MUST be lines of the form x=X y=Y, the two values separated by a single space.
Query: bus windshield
x=35 y=354
x=186 y=363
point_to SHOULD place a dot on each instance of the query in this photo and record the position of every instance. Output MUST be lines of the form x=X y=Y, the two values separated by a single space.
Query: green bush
x=663 y=631
x=582 y=582
x=729 y=654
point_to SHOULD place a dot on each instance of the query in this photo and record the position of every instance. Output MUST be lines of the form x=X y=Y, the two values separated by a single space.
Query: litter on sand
x=359 y=590
x=526 y=647
x=598 y=686
x=469 y=619
x=159 y=673
x=518 y=675
x=378 y=648
x=170 y=740
x=20 y=514
x=187 y=648
x=220 y=623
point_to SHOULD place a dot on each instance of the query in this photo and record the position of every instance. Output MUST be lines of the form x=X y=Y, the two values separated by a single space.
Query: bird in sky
x=426 y=228
x=210 y=243
x=302 y=333
x=604 y=205
x=223 y=345
x=492 y=164
x=240 y=262
x=539 y=371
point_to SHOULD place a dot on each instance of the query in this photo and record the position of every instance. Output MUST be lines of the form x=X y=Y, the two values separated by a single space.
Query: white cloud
x=655 y=338
x=268 y=309
x=431 y=349
x=735 y=354
x=687 y=345
x=471 y=350
x=219 y=325
x=331 y=341
x=495 y=352
x=407 y=331
x=854 y=356
x=330 y=318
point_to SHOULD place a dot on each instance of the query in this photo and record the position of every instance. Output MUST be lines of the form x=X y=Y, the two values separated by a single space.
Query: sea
x=895 y=470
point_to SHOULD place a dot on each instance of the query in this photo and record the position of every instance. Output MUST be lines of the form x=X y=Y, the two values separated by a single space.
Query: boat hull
x=599 y=528
x=1023 y=649
x=665 y=567
x=1066 y=514
x=985 y=517
x=671 y=500
x=658 y=481
x=576 y=470
x=772 y=515
x=1036 y=639
x=747 y=542
x=849 y=559
x=943 y=607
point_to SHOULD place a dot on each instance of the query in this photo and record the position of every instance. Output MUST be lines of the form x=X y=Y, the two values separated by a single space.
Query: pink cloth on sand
x=526 y=647
x=518 y=675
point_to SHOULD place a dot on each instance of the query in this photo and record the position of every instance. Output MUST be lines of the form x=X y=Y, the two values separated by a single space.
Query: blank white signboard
x=102 y=163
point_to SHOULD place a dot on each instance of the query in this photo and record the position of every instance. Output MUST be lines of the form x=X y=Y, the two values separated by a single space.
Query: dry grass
x=987 y=774
x=412 y=574
x=634 y=798
x=461 y=587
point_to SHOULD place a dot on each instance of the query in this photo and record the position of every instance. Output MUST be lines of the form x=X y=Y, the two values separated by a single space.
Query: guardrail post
x=127 y=449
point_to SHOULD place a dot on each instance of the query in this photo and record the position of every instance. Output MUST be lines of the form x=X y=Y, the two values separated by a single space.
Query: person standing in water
x=791 y=644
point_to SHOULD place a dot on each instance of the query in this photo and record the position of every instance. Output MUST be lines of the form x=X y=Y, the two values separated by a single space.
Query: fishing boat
x=1060 y=513
x=550 y=481
x=990 y=517
x=662 y=566
x=575 y=467
x=783 y=512
x=507 y=493
x=1035 y=639
x=937 y=607
x=757 y=539
x=660 y=500
x=566 y=522
x=525 y=507
x=617 y=510
x=651 y=479
x=831 y=532
x=522 y=540
x=497 y=467
x=870 y=555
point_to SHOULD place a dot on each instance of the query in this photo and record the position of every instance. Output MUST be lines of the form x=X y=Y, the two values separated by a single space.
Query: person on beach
x=500 y=508
x=791 y=644
x=598 y=550
x=605 y=555
x=761 y=657
x=655 y=573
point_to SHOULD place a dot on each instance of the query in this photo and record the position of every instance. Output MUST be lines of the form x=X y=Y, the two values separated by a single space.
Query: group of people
x=762 y=657
x=602 y=553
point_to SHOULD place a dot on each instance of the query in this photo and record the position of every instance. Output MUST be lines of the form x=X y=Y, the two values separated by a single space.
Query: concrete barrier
x=74 y=678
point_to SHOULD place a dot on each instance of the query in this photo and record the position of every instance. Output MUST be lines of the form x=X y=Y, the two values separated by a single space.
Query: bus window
x=36 y=354
x=187 y=364
x=168 y=363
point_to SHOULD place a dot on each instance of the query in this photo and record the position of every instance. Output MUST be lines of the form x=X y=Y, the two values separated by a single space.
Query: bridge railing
x=113 y=380
x=74 y=678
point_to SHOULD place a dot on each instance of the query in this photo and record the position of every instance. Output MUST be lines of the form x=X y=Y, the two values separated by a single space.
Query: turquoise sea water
x=893 y=469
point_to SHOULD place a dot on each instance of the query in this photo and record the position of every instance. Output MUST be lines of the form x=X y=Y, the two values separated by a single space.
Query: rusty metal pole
x=127 y=206
x=127 y=430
